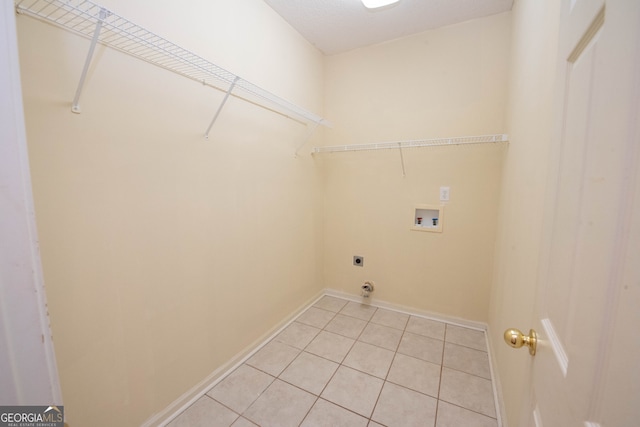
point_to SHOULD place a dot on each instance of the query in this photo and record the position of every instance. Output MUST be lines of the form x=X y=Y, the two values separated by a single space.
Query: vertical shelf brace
x=404 y=173
x=75 y=107
x=307 y=137
x=224 y=100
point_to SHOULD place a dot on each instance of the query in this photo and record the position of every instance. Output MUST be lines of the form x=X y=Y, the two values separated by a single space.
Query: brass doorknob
x=517 y=339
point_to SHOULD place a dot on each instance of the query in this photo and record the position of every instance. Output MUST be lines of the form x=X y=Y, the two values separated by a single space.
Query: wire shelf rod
x=306 y=138
x=82 y=16
x=404 y=171
x=224 y=100
x=464 y=140
x=75 y=105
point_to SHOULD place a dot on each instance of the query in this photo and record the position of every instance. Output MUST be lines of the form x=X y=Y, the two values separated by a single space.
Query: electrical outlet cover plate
x=444 y=193
x=358 y=261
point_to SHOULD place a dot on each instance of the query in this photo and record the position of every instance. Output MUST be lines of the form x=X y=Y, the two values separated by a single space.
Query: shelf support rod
x=307 y=137
x=404 y=174
x=75 y=107
x=224 y=100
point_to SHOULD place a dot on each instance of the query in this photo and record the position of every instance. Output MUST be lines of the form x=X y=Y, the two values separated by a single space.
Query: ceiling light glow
x=374 y=4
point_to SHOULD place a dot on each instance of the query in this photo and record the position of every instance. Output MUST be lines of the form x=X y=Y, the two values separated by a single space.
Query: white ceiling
x=335 y=26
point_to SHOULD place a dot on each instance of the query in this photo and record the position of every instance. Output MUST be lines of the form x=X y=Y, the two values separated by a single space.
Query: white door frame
x=28 y=370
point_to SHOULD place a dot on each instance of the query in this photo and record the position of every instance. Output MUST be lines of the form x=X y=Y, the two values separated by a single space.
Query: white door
x=587 y=368
x=28 y=373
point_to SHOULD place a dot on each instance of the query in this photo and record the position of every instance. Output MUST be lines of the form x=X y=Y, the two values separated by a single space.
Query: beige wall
x=531 y=96
x=441 y=83
x=165 y=254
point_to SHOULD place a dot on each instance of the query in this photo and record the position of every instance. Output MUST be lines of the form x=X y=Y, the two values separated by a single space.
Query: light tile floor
x=342 y=363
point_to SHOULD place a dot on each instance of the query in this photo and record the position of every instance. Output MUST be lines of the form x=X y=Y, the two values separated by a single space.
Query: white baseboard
x=495 y=380
x=164 y=417
x=457 y=321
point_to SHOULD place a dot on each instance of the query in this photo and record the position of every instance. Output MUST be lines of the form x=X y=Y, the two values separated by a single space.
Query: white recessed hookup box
x=427 y=218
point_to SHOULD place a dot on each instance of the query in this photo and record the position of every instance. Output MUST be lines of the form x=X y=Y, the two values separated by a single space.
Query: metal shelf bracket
x=404 y=172
x=75 y=106
x=224 y=100
x=307 y=137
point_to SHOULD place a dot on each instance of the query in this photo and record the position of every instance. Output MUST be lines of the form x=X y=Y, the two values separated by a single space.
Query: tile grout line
x=334 y=372
x=395 y=353
x=444 y=344
x=477 y=376
x=339 y=365
x=224 y=406
x=467 y=409
x=347 y=354
x=384 y=381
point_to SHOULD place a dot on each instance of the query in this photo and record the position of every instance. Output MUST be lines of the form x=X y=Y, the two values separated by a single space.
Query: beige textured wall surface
x=524 y=181
x=166 y=254
x=440 y=83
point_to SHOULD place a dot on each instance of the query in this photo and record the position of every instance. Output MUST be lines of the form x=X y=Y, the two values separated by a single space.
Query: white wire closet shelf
x=415 y=143
x=101 y=25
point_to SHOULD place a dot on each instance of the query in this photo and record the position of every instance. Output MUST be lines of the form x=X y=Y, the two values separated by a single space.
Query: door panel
x=589 y=215
x=28 y=372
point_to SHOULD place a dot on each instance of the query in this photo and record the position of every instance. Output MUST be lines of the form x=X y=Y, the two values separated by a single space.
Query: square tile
x=309 y=372
x=426 y=327
x=467 y=337
x=389 y=318
x=345 y=325
x=330 y=303
x=425 y=348
x=241 y=388
x=316 y=317
x=353 y=390
x=401 y=407
x=382 y=336
x=273 y=358
x=454 y=416
x=359 y=311
x=468 y=391
x=467 y=360
x=415 y=374
x=325 y=414
x=330 y=346
x=369 y=359
x=297 y=335
x=281 y=405
x=205 y=412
